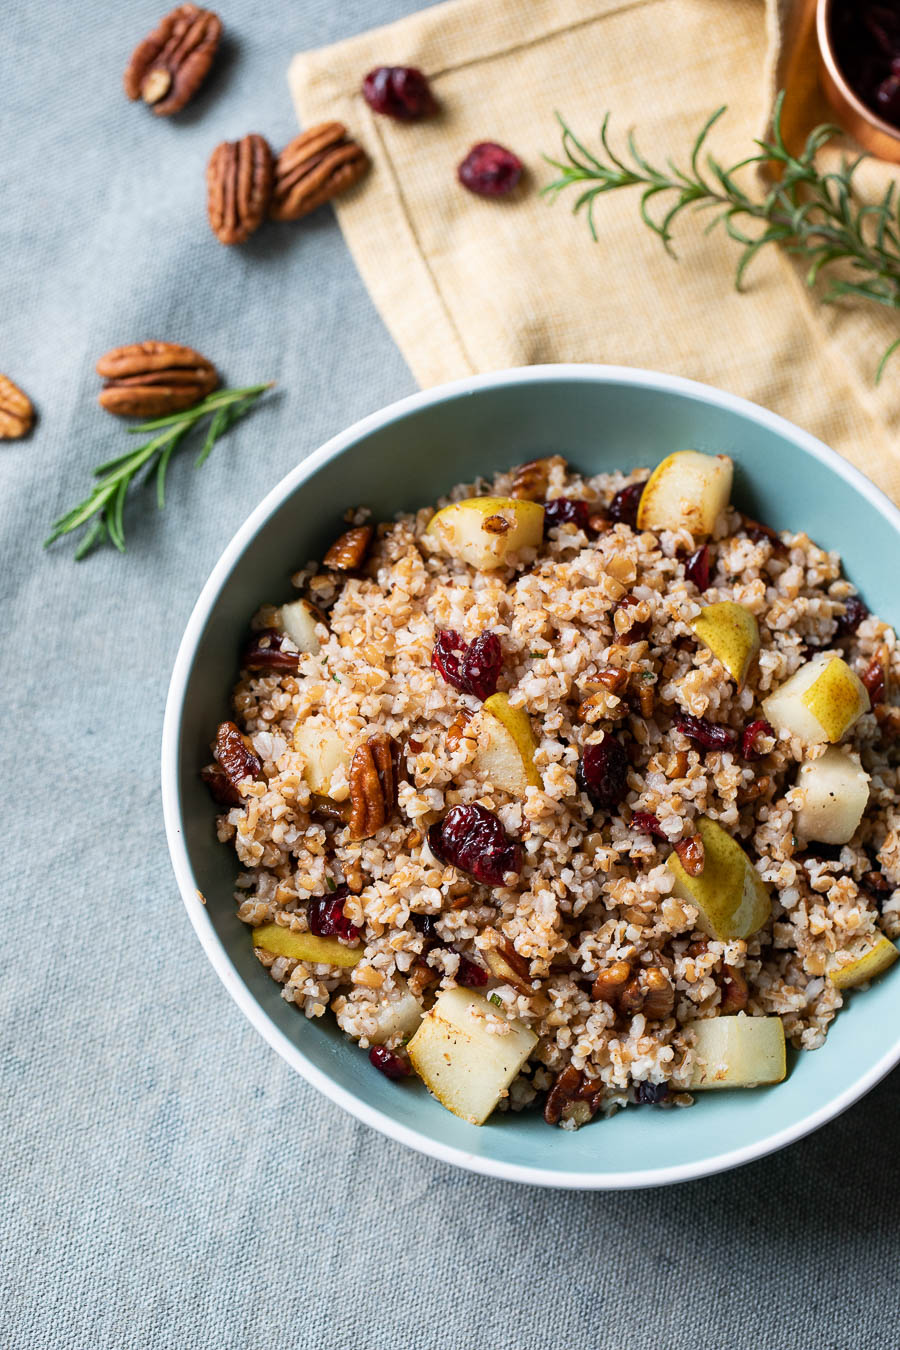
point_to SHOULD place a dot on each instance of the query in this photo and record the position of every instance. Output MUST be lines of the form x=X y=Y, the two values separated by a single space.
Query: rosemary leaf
x=103 y=510
x=814 y=214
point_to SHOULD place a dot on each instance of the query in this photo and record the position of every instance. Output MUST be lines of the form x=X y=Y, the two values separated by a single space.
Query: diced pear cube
x=487 y=532
x=323 y=751
x=506 y=747
x=299 y=620
x=466 y=1066
x=737 y=1051
x=865 y=965
x=325 y=951
x=687 y=491
x=835 y=794
x=820 y=702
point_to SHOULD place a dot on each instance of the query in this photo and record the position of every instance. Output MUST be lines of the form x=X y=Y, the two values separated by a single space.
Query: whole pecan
x=150 y=379
x=349 y=549
x=16 y=412
x=169 y=66
x=574 y=1097
x=373 y=775
x=313 y=168
x=239 y=179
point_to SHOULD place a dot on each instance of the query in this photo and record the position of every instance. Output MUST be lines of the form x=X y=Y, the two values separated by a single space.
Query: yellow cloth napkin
x=468 y=285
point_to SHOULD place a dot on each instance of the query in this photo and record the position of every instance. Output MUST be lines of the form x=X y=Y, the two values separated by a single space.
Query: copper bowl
x=872 y=132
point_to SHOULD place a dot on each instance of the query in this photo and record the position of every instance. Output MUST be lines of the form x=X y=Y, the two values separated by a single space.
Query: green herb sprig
x=103 y=510
x=813 y=214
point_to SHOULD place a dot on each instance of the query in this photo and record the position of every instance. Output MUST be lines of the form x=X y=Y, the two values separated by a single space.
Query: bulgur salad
x=572 y=793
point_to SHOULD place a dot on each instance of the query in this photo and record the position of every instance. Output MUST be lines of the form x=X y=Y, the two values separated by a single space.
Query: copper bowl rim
x=823 y=13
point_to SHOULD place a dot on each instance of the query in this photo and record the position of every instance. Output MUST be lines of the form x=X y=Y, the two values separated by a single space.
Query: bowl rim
x=195 y=905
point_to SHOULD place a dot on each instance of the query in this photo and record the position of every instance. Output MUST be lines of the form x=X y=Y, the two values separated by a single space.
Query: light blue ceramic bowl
x=599 y=418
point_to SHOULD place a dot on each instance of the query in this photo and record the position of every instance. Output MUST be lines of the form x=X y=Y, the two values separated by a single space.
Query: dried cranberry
x=567 y=510
x=471 y=974
x=426 y=924
x=326 y=916
x=874 y=677
x=640 y=629
x=264 y=652
x=751 y=732
x=490 y=170
x=391 y=1065
x=710 y=735
x=603 y=772
x=650 y=1094
x=474 y=668
x=855 y=610
x=645 y=822
x=472 y=839
x=624 y=506
x=696 y=569
x=398 y=91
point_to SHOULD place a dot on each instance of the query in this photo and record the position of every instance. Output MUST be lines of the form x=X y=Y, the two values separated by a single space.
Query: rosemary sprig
x=814 y=214
x=103 y=510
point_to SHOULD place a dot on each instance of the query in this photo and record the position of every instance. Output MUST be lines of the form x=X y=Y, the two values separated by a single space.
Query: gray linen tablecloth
x=166 y=1181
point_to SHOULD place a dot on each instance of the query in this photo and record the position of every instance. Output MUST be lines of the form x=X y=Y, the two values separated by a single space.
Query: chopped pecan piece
x=505 y=963
x=348 y=552
x=169 y=66
x=151 y=379
x=235 y=757
x=457 y=729
x=265 y=652
x=531 y=480
x=496 y=525
x=220 y=786
x=760 y=533
x=691 y=854
x=327 y=807
x=875 y=675
x=16 y=412
x=735 y=990
x=659 y=996
x=649 y=990
x=612 y=678
x=573 y=1096
x=610 y=982
x=239 y=188
x=316 y=166
x=630 y=629
x=373 y=777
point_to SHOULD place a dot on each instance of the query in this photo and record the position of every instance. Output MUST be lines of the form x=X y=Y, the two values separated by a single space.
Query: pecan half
x=169 y=66
x=316 y=166
x=648 y=991
x=573 y=1097
x=349 y=550
x=239 y=187
x=373 y=776
x=235 y=757
x=16 y=412
x=150 y=379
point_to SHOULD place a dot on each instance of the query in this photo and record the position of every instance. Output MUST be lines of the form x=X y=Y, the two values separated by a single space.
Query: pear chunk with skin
x=864 y=966
x=487 y=532
x=820 y=702
x=323 y=751
x=323 y=951
x=506 y=747
x=729 y=893
x=299 y=620
x=687 y=491
x=466 y=1066
x=737 y=1051
x=835 y=794
x=731 y=633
